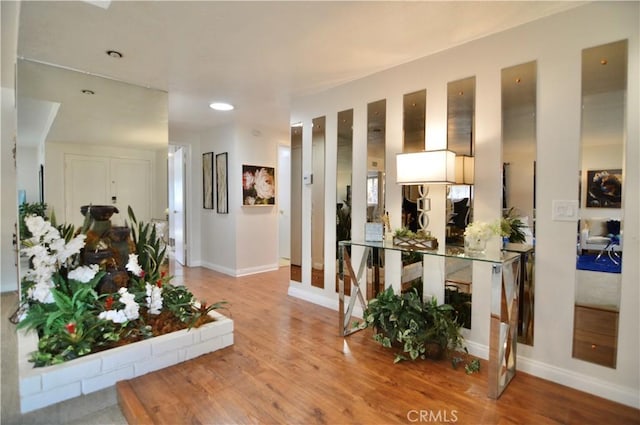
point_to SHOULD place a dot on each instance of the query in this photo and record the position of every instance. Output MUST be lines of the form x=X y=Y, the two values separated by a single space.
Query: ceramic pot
x=99 y=212
x=114 y=279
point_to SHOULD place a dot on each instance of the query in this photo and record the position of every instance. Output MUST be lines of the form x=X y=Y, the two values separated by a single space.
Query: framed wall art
x=207 y=180
x=222 y=184
x=258 y=185
x=604 y=188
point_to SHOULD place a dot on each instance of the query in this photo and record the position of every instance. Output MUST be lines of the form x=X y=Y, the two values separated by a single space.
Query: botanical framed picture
x=604 y=188
x=222 y=185
x=258 y=185
x=207 y=180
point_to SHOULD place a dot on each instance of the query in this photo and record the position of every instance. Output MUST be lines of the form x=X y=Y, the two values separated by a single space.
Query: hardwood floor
x=289 y=366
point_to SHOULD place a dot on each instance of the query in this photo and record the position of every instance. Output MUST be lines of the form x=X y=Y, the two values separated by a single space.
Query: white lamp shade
x=464 y=169
x=430 y=167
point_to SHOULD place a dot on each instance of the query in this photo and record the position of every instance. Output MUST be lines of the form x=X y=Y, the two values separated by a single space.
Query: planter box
x=413 y=243
x=43 y=386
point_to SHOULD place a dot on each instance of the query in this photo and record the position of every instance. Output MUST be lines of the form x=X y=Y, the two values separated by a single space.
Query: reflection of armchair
x=598 y=234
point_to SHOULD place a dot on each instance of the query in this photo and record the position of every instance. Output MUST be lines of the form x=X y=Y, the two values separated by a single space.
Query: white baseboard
x=258 y=269
x=312 y=297
x=624 y=395
x=240 y=272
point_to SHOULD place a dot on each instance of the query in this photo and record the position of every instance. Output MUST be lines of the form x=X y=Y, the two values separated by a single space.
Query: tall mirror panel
x=600 y=234
x=296 y=203
x=317 y=202
x=344 y=171
x=461 y=101
x=414 y=125
x=414 y=119
x=519 y=181
x=376 y=185
x=343 y=176
x=87 y=138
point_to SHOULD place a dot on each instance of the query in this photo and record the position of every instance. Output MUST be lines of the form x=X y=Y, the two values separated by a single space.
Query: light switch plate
x=564 y=210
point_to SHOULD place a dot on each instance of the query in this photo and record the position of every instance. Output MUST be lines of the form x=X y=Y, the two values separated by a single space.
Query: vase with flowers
x=476 y=236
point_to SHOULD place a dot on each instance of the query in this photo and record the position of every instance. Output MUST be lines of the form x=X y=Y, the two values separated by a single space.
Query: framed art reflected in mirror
x=207 y=180
x=604 y=188
x=222 y=184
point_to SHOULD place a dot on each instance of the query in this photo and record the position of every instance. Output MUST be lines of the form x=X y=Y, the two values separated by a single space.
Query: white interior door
x=96 y=180
x=284 y=201
x=131 y=186
x=177 y=222
x=86 y=182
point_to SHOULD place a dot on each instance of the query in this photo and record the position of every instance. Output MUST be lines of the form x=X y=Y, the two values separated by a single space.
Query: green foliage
x=181 y=302
x=407 y=233
x=461 y=303
x=511 y=226
x=151 y=252
x=414 y=325
x=26 y=209
x=69 y=327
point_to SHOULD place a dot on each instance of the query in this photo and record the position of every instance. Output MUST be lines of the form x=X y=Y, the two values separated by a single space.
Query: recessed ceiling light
x=87 y=91
x=221 y=106
x=114 y=54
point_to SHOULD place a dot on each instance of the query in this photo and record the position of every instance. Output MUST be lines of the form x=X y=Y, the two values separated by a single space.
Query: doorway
x=284 y=204
x=177 y=204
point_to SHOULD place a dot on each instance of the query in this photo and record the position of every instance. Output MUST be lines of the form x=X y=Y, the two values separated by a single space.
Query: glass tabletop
x=442 y=251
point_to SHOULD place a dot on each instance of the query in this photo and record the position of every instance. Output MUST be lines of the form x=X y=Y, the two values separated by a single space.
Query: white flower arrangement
x=84 y=274
x=133 y=266
x=480 y=230
x=131 y=310
x=154 y=298
x=48 y=252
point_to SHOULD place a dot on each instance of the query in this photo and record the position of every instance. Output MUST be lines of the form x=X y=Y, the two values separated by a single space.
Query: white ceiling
x=256 y=55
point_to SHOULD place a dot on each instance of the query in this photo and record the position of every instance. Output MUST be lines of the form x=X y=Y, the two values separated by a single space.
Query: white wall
x=8 y=201
x=245 y=241
x=28 y=166
x=556 y=44
x=9 y=12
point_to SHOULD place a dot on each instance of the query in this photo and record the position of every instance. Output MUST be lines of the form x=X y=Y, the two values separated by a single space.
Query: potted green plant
x=511 y=227
x=422 y=329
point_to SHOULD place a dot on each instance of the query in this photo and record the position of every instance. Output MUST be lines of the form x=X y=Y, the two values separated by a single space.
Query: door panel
x=131 y=186
x=86 y=182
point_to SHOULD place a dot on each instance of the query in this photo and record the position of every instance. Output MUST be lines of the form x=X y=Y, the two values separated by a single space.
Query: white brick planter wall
x=43 y=386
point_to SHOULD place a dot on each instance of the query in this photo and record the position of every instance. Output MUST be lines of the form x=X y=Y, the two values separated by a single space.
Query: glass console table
x=505 y=294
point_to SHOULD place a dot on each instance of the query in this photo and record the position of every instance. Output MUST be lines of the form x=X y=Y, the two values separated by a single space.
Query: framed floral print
x=258 y=185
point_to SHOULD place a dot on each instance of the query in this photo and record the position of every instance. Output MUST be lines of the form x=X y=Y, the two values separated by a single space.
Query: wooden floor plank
x=289 y=365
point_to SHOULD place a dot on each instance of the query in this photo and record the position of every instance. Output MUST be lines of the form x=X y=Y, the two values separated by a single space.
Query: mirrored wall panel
x=600 y=230
x=519 y=181
x=414 y=138
x=75 y=137
x=376 y=184
x=461 y=102
x=317 y=202
x=343 y=176
x=414 y=119
x=296 y=203
x=376 y=151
